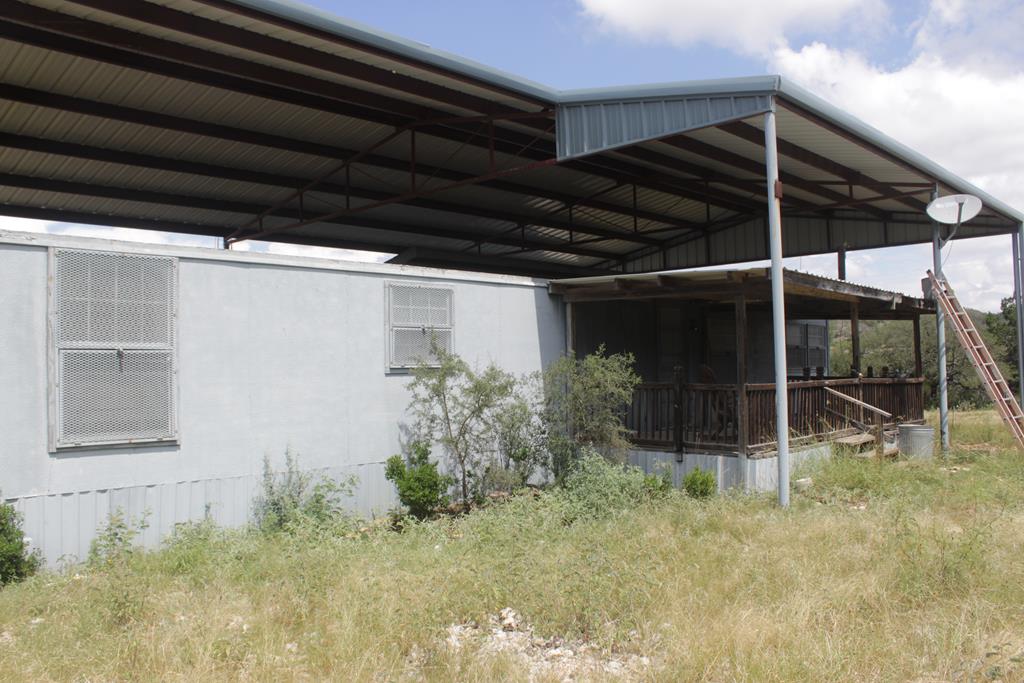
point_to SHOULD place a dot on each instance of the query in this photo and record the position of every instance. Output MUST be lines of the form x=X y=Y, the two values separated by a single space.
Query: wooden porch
x=741 y=418
x=730 y=408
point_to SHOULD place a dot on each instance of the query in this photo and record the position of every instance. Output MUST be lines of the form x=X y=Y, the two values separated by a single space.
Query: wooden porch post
x=855 y=335
x=678 y=377
x=740 y=304
x=918 y=367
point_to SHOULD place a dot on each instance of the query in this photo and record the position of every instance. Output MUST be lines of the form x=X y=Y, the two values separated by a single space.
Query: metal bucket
x=917 y=441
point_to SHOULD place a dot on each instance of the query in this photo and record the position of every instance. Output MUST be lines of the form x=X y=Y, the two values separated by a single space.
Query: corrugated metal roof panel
x=599 y=186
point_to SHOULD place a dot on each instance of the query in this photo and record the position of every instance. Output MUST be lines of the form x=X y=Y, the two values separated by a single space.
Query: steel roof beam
x=191 y=126
x=455 y=259
x=246 y=208
x=754 y=135
x=257 y=80
x=333 y=37
x=225 y=34
x=123 y=47
x=501 y=263
x=749 y=165
x=350 y=102
x=278 y=180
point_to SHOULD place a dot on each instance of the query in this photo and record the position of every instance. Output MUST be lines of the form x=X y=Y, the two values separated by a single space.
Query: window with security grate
x=113 y=319
x=419 y=316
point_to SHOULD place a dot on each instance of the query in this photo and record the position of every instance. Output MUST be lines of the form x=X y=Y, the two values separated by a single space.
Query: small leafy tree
x=457 y=406
x=114 y=542
x=421 y=488
x=584 y=400
x=17 y=562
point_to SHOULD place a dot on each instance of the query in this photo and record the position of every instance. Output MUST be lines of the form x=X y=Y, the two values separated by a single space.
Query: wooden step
x=856 y=439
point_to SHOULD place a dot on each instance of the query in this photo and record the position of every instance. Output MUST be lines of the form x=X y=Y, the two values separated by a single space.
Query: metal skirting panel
x=589 y=127
x=62 y=525
x=762 y=473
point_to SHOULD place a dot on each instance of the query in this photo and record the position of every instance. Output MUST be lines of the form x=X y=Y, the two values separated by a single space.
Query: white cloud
x=956 y=99
x=981 y=34
x=966 y=119
x=745 y=26
x=963 y=116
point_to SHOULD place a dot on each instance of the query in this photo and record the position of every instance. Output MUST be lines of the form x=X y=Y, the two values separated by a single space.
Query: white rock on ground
x=508 y=634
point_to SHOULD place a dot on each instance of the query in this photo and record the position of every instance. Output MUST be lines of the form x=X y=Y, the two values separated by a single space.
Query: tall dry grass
x=905 y=571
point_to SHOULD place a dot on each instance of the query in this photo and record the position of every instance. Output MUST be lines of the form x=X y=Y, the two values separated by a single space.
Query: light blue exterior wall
x=273 y=353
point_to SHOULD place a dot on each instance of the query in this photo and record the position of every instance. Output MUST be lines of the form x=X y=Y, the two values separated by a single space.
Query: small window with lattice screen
x=113 y=331
x=418 y=317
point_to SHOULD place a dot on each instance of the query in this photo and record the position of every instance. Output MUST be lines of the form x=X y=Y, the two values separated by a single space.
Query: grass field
x=896 y=571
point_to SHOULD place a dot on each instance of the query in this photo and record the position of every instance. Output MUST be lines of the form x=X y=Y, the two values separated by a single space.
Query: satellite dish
x=954 y=208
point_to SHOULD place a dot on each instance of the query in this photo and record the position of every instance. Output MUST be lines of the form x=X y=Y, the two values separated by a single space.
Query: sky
x=945 y=77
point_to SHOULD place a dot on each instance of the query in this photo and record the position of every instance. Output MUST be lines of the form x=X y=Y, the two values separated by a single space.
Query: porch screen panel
x=796 y=348
x=420 y=316
x=114 y=339
x=817 y=346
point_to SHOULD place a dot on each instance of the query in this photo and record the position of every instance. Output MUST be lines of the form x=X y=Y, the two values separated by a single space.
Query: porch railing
x=742 y=419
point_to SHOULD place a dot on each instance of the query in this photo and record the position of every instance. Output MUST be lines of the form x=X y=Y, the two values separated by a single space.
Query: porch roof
x=807 y=295
x=264 y=119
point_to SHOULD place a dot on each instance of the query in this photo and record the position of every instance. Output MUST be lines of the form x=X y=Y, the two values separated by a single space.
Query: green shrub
x=115 y=541
x=295 y=498
x=584 y=399
x=17 y=562
x=700 y=483
x=521 y=439
x=421 y=488
x=596 y=488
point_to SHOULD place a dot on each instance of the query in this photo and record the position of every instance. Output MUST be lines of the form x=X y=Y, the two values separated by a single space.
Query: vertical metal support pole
x=940 y=335
x=1018 y=301
x=841 y=262
x=778 y=304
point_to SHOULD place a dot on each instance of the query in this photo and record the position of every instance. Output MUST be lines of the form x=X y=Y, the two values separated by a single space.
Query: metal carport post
x=940 y=334
x=778 y=303
x=1018 y=299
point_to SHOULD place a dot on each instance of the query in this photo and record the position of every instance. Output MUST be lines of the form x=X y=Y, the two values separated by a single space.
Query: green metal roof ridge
x=746 y=85
x=767 y=84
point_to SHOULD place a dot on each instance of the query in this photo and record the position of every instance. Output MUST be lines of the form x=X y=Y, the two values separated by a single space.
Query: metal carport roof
x=259 y=119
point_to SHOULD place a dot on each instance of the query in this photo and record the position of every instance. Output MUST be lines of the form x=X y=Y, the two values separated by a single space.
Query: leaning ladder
x=972 y=342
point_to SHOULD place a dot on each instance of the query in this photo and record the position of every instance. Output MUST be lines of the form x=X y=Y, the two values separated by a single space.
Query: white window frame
x=54 y=365
x=390 y=326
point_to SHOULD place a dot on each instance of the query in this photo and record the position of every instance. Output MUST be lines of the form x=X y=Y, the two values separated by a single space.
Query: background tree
x=890 y=343
x=1002 y=326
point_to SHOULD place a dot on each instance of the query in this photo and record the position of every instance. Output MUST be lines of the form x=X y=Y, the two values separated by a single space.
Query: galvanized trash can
x=917 y=441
